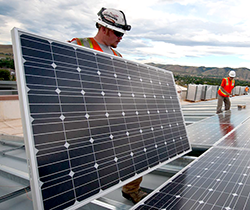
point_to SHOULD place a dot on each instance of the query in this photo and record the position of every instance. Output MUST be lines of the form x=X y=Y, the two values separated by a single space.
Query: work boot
x=135 y=197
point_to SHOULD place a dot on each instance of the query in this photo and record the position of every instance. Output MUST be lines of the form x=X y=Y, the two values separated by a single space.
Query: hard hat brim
x=110 y=27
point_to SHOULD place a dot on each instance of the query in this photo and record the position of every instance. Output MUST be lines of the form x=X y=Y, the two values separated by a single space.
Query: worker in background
x=111 y=26
x=246 y=90
x=225 y=91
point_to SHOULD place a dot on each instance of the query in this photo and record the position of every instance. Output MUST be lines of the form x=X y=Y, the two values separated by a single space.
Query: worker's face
x=112 y=39
x=231 y=78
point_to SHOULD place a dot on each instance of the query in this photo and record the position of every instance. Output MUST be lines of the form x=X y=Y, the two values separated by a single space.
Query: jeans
x=226 y=101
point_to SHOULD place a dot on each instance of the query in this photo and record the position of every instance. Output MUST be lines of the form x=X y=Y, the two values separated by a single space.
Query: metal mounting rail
x=14 y=194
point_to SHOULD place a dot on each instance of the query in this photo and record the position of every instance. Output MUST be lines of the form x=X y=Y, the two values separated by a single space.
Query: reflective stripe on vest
x=78 y=41
x=233 y=83
x=221 y=93
x=227 y=82
x=93 y=45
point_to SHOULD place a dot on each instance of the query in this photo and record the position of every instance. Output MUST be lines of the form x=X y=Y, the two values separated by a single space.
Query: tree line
x=7 y=64
x=184 y=80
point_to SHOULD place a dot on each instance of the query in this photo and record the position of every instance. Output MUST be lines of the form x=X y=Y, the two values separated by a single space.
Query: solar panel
x=217 y=180
x=239 y=138
x=92 y=122
x=211 y=130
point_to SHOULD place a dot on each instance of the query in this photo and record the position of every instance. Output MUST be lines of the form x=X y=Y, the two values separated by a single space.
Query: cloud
x=58 y=19
x=161 y=29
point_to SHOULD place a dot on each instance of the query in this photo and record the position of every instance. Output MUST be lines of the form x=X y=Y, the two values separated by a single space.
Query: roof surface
x=14 y=177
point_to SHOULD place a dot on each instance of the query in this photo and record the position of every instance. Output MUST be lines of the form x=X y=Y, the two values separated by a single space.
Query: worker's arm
x=225 y=91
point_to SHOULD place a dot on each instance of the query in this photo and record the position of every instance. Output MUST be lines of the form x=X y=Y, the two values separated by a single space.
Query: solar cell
x=92 y=122
x=217 y=180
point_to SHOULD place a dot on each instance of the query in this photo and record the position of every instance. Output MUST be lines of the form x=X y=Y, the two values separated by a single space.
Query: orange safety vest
x=227 y=85
x=93 y=45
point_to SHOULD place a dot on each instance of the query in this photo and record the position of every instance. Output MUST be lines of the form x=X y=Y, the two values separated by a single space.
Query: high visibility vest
x=91 y=43
x=227 y=85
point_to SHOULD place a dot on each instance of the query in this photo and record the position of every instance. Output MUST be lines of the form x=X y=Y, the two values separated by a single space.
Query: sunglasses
x=118 y=34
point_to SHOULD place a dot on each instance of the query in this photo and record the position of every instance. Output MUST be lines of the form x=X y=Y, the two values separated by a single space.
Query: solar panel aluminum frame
x=27 y=122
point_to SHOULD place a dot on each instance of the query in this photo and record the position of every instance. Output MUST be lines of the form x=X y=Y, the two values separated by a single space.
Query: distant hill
x=202 y=71
x=6 y=51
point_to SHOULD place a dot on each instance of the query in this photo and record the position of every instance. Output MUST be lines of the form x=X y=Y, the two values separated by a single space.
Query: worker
x=225 y=91
x=112 y=25
x=246 y=90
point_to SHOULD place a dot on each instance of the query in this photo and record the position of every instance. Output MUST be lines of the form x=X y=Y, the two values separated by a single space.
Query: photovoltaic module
x=209 y=131
x=92 y=121
x=217 y=180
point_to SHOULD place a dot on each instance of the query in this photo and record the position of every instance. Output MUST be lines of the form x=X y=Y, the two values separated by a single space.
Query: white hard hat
x=113 y=19
x=232 y=74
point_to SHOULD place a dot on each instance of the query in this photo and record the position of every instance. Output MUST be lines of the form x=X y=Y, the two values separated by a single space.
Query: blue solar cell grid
x=218 y=180
x=240 y=138
x=210 y=130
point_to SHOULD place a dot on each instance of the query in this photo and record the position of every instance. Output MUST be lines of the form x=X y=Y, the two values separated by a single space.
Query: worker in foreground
x=225 y=90
x=112 y=25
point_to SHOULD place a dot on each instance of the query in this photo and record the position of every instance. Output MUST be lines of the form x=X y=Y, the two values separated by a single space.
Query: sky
x=211 y=33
